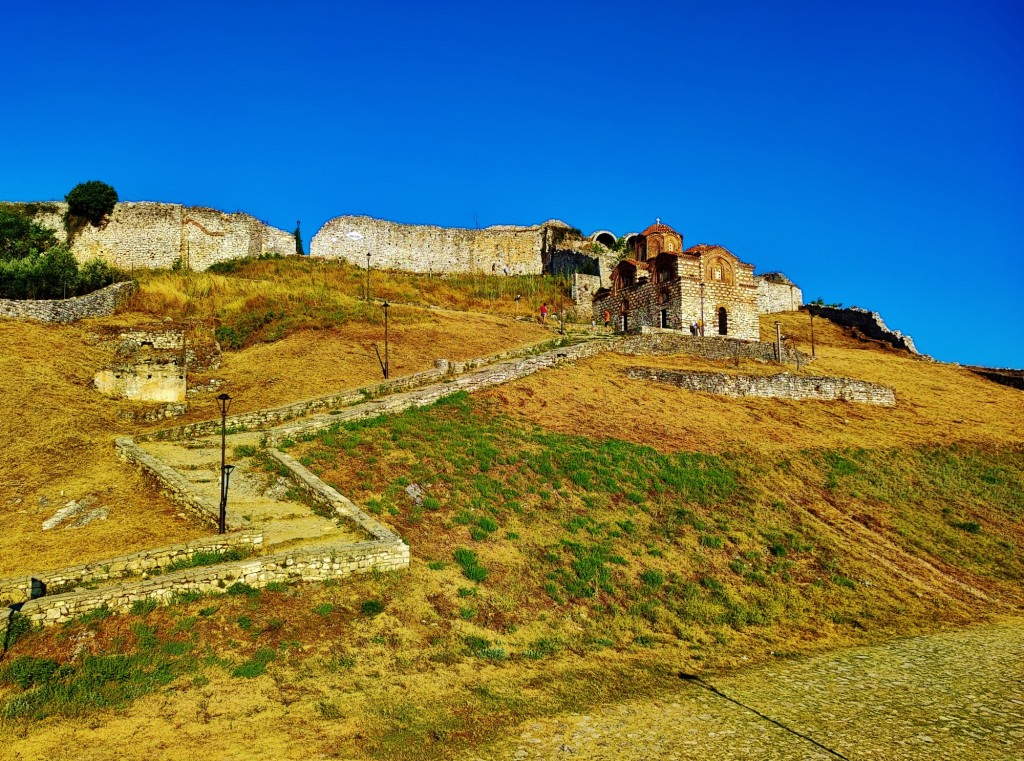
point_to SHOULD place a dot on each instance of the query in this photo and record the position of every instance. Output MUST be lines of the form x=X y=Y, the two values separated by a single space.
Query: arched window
x=723 y=322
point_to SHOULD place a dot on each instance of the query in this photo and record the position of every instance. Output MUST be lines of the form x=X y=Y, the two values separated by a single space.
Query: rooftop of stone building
x=658 y=227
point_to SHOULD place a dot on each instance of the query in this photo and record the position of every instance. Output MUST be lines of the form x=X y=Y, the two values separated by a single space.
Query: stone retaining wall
x=303 y=564
x=24 y=588
x=782 y=386
x=655 y=341
x=171 y=483
x=101 y=303
x=261 y=419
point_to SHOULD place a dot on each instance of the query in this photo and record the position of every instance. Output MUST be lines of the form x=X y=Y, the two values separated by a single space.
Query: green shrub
x=372 y=608
x=20 y=236
x=256 y=665
x=240 y=588
x=143 y=607
x=91 y=201
x=324 y=609
x=471 y=568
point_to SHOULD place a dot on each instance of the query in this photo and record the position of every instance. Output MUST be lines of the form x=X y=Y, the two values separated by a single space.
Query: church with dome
x=704 y=289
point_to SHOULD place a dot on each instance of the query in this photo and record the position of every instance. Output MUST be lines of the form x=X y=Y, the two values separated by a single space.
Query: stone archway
x=723 y=322
x=605 y=237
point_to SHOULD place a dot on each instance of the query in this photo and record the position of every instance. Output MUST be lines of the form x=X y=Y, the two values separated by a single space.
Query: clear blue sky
x=873 y=151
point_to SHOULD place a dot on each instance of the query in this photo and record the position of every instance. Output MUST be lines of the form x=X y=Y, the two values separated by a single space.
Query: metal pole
x=778 y=341
x=386 y=341
x=367 y=275
x=225 y=401
x=812 y=333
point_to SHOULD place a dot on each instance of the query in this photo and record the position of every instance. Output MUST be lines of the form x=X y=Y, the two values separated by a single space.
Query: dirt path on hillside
x=957 y=695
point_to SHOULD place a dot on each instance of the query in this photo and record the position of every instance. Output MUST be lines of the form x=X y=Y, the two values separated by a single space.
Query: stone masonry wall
x=101 y=303
x=426 y=248
x=782 y=386
x=775 y=297
x=156 y=235
x=582 y=292
x=870 y=324
x=32 y=585
x=302 y=564
x=171 y=483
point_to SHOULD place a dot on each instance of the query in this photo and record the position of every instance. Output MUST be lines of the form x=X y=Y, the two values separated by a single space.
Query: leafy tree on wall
x=88 y=203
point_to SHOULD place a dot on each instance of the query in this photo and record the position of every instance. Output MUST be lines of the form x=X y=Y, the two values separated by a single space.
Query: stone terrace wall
x=302 y=564
x=870 y=324
x=260 y=419
x=774 y=296
x=171 y=483
x=155 y=235
x=101 y=303
x=425 y=248
x=782 y=386
x=23 y=588
x=654 y=341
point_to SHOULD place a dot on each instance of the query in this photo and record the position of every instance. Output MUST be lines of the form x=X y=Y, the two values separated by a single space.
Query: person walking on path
x=544 y=313
x=607 y=318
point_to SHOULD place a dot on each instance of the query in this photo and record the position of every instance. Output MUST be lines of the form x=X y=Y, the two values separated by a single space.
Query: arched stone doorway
x=723 y=322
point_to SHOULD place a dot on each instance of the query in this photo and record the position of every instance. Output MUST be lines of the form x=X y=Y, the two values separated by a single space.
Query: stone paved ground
x=958 y=695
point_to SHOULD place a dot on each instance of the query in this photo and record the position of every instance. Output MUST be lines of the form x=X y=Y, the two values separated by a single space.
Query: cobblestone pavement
x=957 y=695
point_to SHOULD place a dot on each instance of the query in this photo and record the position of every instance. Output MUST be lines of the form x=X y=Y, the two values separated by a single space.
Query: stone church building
x=663 y=285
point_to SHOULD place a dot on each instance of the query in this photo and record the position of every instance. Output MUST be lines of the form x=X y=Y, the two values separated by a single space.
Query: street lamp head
x=224 y=397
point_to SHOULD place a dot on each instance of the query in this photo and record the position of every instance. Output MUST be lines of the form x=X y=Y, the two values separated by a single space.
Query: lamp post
x=812 y=332
x=367 y=275
x=778 y=341
x=387 y=358
x=225 y=469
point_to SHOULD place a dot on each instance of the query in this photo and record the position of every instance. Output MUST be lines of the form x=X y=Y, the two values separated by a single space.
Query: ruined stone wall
x=781 y=386
x=101 y=303
x=868 y=323
x=156 y=235
x=773 y=296
x=582 y=292
x=147 y=381
x=425 y=248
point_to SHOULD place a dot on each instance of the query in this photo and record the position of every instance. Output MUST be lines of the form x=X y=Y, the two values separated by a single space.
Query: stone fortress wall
x=151 y=235
x=501 y=249
x=777 y=293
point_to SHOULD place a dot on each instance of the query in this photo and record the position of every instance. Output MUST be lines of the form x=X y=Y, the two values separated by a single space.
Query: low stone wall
x=172 y=484
x=302 y=564
x=655 y=341
x=493 y=375
x=261 y=419
x=782 y=386
x=329 y=497
x=24 y=588
x=870 y=324
x=101 y=303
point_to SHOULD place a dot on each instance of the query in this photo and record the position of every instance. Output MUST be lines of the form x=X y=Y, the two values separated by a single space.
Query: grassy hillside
x=581 y=538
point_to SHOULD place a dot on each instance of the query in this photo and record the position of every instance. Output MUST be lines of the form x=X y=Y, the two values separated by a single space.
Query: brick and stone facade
x=704 y=286
x=777 y=293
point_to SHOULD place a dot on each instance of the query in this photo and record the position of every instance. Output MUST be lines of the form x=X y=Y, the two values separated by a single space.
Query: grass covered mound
x=663 y=546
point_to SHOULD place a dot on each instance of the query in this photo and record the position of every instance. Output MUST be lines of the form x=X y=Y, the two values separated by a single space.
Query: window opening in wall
x=625 y=322
x=723 y=322
x=664 y=318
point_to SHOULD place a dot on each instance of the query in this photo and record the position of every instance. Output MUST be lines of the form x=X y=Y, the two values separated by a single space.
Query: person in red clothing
x=544 y=313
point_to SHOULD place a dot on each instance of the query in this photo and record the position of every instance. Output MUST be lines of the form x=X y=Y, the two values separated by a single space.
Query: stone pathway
x=284 y=522
x=958 y=695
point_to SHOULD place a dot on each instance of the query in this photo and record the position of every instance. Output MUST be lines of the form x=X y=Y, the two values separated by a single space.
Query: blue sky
x=873 y=151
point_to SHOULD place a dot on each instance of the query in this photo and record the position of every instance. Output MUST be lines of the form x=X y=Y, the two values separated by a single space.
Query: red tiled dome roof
x=658 y=227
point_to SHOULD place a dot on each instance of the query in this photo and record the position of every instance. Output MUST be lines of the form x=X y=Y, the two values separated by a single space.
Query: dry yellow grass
x=936 y=403
x=58 y=431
